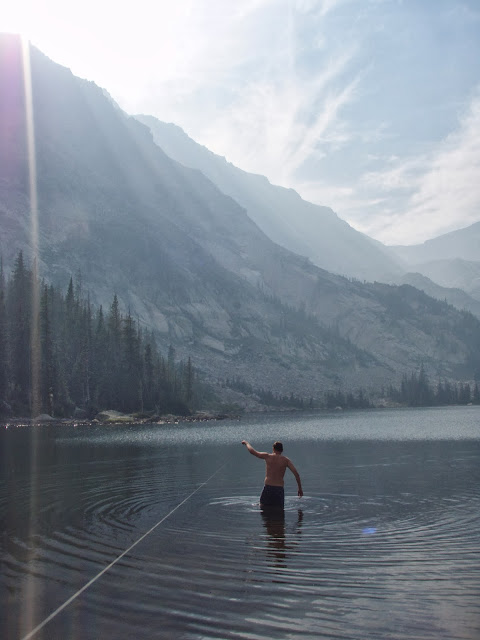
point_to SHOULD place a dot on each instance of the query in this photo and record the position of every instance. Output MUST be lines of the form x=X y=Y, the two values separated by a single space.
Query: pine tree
x=84 y=358
x=188 y=382
x=171 y=363
x=423 y=392
x=81 y=354
x=35 y=343
x=148 y=376
x=113 y=368
x=19 y=301
x=4 y=372
x=48 y=381
x=100 y=370
x=171 y=378
x=131 y=374
x=476 y=394
x=464 y=393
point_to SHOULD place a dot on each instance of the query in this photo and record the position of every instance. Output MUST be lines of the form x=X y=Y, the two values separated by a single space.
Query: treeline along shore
x=63 y=360
x=60 y=355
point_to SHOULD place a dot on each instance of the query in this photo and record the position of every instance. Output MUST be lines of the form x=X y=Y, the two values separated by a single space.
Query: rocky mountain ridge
x=329 y=242
x=190 y=262
x=302 y=227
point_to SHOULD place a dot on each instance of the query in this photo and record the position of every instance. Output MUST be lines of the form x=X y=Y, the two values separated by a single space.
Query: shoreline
x=114 y=418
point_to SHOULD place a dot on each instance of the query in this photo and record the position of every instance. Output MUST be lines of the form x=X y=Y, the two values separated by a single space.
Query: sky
x=370 y=107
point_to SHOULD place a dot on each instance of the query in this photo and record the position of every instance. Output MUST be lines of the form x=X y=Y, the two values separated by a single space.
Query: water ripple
x=384 y=543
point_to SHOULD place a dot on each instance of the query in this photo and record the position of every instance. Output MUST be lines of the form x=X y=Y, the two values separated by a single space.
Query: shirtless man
x=277 y=464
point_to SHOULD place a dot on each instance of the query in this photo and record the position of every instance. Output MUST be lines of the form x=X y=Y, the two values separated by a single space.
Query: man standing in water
x=277 y=464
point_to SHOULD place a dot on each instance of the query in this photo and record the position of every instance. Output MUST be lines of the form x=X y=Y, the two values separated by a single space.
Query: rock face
x=302 y=227
x=113 y=417
x=43 y=418
x=190 y=262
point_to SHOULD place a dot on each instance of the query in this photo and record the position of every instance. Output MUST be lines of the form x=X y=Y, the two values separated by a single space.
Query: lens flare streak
x=29 y=613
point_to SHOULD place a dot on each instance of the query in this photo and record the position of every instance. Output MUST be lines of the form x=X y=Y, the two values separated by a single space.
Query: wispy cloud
x=285 y=107
x=277 y=100
x=348 y=101
x=318 y=7
x=284 y=121
x=451 y=181
x=322 y=130
x=432 y=193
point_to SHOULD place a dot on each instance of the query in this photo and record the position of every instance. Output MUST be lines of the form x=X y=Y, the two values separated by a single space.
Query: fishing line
x=105 y=569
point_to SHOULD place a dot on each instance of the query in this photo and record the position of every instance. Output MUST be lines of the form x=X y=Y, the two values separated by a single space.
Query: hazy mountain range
x=451 y=260
x=318 y=233
x=305 y=228
x=206 y=260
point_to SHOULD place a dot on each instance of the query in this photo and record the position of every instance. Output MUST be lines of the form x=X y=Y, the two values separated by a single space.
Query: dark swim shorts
x=272 y=496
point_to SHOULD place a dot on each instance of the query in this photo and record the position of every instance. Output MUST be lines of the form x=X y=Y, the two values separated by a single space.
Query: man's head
x=278 y=447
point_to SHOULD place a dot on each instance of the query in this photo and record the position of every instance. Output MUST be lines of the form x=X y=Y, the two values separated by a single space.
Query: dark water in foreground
x=385 y=543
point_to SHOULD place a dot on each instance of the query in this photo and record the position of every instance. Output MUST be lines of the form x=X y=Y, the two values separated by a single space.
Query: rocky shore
x=115 y=418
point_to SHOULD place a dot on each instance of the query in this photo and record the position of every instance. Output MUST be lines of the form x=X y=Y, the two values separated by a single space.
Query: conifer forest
x=58 y=352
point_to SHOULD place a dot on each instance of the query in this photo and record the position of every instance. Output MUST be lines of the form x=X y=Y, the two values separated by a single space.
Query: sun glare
x=15 y=19
x=32 y=170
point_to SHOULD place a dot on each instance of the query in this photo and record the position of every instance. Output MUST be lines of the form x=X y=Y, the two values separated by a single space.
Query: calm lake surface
x=384 y=544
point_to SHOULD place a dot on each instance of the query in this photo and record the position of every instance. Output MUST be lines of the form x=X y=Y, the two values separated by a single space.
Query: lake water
x=384 y=544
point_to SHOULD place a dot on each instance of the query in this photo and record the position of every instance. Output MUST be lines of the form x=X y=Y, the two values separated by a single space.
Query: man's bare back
x=276 y=465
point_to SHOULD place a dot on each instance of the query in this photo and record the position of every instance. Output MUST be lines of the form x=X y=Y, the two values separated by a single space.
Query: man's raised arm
x=259 y=454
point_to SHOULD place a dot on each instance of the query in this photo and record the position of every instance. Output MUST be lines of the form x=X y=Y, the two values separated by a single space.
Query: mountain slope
x=454 y=296
x=456 y=272
x=462 y=243
x=451 y=260
x=307 y=229
x=190 y=262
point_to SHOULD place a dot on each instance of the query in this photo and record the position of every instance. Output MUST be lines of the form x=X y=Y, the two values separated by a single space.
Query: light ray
x=32 y=172
x=31 y=595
